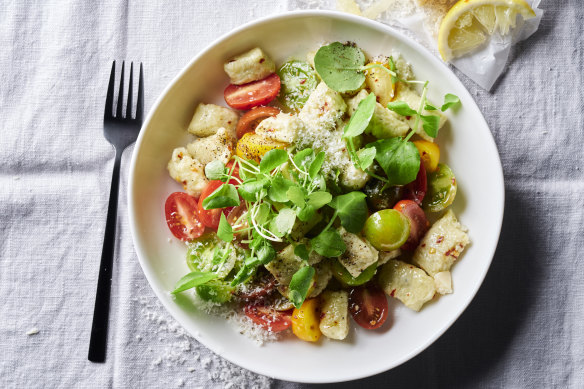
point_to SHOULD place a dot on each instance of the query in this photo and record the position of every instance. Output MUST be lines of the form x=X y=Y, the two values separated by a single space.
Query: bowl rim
x=498 y=196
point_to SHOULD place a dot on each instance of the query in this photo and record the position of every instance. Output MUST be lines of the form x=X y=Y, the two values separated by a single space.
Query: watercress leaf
x=451 y=101
x=430 y=107
x=328 y=243
x=430 y=123
x=193 y=279
x=399 y=160
x=251 y=188
x=215 y=170
x=266 y=253
x=302 y=157
x=224 y=231
x=283 y=222
x=319 y=182
x=306 y=213
x=352 y=210
x=263 y=213
x=296 y=195
x=245 y=172
x=319 y=199
x=301 y=251
x=316 y=164
x=339 y=66
x=366 y=157
x=361 y=117
x=272 y=159
x=279 y=188
x=401 y=108
x=299 y=285
x=224 y=196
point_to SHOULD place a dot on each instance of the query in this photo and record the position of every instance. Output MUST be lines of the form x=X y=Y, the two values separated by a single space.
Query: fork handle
x=98 y=341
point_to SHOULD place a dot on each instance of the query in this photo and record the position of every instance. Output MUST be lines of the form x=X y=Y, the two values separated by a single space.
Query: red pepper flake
x=440 y=239
x=392 y=294
x=302 y=81
x=262 y=60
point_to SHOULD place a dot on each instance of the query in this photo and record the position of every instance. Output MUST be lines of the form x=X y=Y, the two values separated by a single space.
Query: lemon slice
x=469 y=23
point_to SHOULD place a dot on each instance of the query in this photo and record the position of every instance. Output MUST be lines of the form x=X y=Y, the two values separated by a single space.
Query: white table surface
x=525 y=328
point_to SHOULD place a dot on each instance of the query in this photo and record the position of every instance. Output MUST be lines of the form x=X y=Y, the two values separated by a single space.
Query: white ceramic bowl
x=466 y=144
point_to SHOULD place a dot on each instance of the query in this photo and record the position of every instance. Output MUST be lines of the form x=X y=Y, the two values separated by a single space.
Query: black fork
x=121 y=131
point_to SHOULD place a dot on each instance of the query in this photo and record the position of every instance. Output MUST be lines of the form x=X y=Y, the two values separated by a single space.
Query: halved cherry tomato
x=268 y=318
x=259 y=287
x=235 y=172
x=418 y=222
x=210 y=218
x=417 y=189
x=252 y=94
x=234 y=215
x=250 y=120
x=182 y=216
x=368 y=306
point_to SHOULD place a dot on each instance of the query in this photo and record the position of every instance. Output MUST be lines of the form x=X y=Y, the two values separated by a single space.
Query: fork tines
x=109 y=101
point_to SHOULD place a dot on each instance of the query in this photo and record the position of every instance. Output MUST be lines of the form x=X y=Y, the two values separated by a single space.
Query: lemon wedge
x=469 y=24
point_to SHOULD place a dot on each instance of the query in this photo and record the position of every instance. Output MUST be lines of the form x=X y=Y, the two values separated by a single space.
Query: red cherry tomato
x=250 y=120
x=368 y=306
x=182 y=216
x=417 y=189
x=235 y=172
x=268 y=318
x=210 y=218
x=418 y=222
x=252 y=94
x=259 y=288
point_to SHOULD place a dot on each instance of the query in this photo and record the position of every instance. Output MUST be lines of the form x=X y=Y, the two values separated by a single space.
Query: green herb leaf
x=263 y=213
x=430 y=107
x=283 y=222
x=193 y=279
x=224 y=196
x=266 y=253
x=224 y=231
x=361 y=117
x=339 y=66
x=279 y=188
x=401 y=108
x=399 y=160
x=299 y=285
x=430 y=123
x=302 y=251
x=296 y=195
x=250 y=188
x=366 y=157
x=272 y=159
x=316 y=164
x=319 y=199
x=352 y=210
x=215 y=170
x=328 y=243
x=302 y=157
x=306 y=213
x=243 y=275
x=451 y=101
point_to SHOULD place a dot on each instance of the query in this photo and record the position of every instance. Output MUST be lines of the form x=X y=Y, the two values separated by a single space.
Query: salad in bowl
x=317 y=193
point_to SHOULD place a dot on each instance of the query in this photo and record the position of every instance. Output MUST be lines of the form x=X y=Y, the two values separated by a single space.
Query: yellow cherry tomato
x=253 y=146
x=306 y=319
x=429 y=153
x=379 y=82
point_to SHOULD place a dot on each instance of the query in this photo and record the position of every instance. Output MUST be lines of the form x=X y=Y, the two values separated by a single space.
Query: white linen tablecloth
x=524 y=329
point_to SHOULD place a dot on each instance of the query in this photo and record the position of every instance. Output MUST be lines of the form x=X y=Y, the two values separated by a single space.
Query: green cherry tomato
x=387 y=229
x=298 y=80
x=216 y=291
x=441 y=189
x=345 y=278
